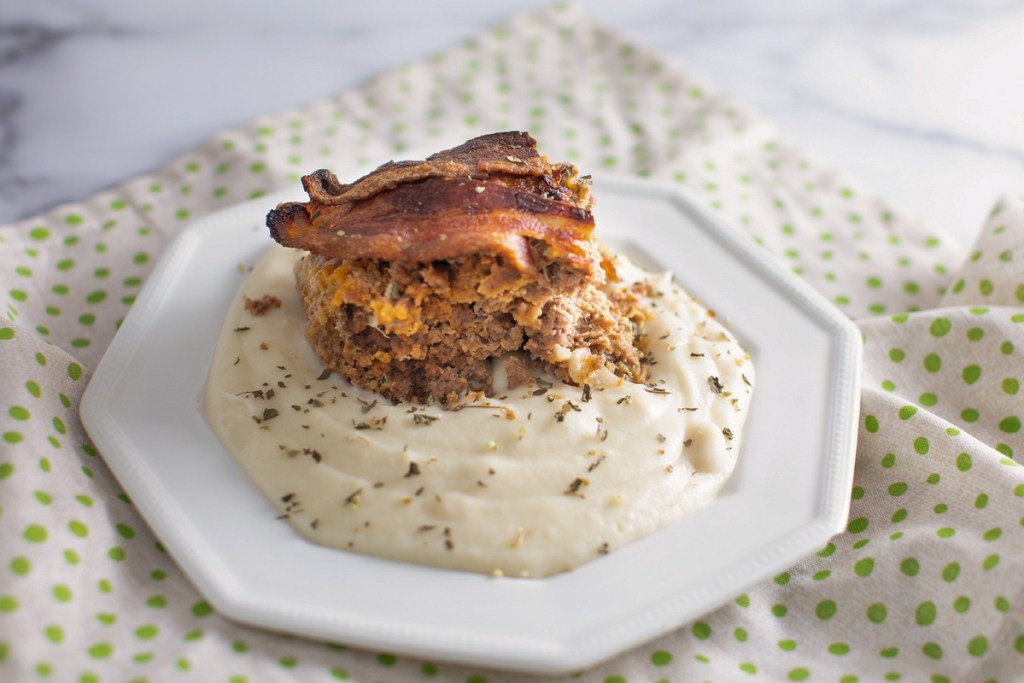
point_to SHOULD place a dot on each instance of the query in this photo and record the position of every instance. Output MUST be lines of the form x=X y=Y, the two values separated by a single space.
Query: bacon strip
x=491 y=195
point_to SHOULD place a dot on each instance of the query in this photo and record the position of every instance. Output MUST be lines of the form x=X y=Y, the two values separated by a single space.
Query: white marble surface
x=922 y=100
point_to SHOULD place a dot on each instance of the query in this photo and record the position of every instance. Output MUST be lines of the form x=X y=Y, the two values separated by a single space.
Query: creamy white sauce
x=509 y=489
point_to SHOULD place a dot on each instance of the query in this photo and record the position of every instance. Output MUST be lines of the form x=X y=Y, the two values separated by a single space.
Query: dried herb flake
x=576 y=485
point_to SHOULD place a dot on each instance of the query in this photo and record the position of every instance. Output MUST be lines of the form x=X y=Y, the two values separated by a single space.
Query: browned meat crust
x=418 y=280
x=261 y=305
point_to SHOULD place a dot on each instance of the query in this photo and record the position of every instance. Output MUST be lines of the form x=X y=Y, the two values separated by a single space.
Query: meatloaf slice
x=421 y=274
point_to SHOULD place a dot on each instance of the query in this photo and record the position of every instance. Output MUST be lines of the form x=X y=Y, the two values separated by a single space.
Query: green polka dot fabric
x=926 y=584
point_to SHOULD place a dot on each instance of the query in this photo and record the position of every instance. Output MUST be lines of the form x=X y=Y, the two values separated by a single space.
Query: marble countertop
x=921 y=100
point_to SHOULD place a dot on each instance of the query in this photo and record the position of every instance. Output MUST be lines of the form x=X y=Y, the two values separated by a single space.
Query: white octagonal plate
x=789 y=493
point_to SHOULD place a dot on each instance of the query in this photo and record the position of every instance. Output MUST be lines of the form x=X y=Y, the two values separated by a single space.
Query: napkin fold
x=926 y=584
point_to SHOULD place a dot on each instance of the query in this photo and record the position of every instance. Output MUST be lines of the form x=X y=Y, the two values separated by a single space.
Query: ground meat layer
x=428 y=332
